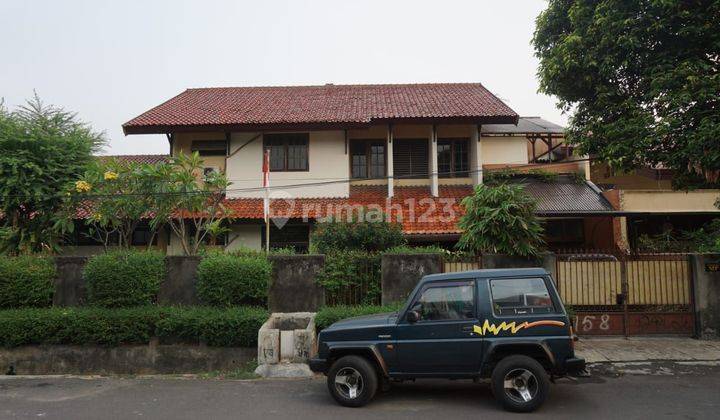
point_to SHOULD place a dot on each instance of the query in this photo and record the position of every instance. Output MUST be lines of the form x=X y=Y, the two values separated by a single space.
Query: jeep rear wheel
x=352 y=381
x=520 y=383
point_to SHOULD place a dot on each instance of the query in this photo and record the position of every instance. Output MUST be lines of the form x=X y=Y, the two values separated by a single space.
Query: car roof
x=486 y=274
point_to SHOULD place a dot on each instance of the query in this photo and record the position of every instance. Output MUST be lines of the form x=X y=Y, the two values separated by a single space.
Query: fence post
x=625 y=290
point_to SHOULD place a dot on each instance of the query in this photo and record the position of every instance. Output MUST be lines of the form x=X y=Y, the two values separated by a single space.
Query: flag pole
x=266 y=200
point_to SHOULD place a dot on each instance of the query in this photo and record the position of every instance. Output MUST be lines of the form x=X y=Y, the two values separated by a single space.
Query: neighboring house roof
x=150 y=159
x=525 y=126
x=247 y=108
x=566 y=196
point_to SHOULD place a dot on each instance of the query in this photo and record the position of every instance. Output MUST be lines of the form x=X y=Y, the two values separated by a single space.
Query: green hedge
x=26 y=281
x=124 y=278
x=231 y=327
x=331 y=314
x=227 y=280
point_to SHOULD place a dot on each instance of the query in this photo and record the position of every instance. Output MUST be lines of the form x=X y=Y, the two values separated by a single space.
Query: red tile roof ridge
x=330 y=85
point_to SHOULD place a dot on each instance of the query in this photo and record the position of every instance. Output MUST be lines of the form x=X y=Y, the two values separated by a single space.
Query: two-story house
x=412 y=150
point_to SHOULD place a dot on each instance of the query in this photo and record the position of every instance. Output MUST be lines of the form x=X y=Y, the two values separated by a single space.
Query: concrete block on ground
x=284 y=370
x=286 y=339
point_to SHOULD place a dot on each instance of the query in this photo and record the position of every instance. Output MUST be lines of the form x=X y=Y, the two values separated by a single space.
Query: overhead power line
x=317 y=182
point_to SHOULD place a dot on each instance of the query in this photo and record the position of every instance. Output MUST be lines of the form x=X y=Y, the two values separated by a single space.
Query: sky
x=109 y=61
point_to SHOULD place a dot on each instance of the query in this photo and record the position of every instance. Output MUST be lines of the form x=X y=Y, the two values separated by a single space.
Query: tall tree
x=642 y=78
x=43 y=151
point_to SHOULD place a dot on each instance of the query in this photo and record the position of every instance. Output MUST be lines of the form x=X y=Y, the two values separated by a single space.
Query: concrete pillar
x=476 y=156
x=706 y=293
x=389 y=154
x=434 y=190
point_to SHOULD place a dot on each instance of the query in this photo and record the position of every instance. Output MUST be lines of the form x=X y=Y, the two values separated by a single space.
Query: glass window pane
x=446 y=303
x=461 y=158
x=358 y=159
x=377 y=160
x=359 y=166
x=287 y=151
x=277 y=157
x=520 y=296
x=444 y=150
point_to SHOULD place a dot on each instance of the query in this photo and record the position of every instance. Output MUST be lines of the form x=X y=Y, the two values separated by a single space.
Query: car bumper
x=574 y=365
x=318 y=365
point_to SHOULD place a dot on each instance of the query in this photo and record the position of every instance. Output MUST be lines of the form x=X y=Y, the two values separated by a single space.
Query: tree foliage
x=190 y=202
x=642 y=78
x=500 y=219
x=120 y=194
x=333 y=235
x=43 y=150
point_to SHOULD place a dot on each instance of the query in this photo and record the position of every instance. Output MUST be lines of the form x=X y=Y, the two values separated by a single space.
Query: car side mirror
x=413 y=317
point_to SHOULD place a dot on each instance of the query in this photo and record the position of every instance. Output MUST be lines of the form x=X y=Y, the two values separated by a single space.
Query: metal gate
x=619 y=294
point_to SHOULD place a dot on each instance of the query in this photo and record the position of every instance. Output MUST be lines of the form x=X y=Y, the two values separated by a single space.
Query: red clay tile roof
x=150 y=159
x=329 y=105
x=413 y=207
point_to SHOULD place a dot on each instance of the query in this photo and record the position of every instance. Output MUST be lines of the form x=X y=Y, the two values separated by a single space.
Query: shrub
x=331 y=314
x=351 y=277
x=218 y=327
x=124 y=278
x=373 y=236
x=111 y=327
x=405 y=249
x=227 y=280
x=26 y=281
x=500 y=219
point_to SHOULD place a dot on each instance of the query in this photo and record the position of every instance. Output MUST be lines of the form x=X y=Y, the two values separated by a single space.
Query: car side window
x=455 y=301
x=520 y=296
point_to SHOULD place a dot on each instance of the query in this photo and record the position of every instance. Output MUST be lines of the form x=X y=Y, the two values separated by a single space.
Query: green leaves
x=43 y=150
x=26 y=281
x=642 y=79
x=228 y=280
x=500 y=219
x=124 y=278
x=337 y=235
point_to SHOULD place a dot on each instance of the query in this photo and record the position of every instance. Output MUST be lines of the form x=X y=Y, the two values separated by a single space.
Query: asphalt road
x=662 y=394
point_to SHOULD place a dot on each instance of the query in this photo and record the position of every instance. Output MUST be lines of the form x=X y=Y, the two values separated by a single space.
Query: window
x=453 y=157
x=446 y=302
x=367 y=158
x=209 y=147
x=410 y=158
x=289 y=236
x=288 y=152
x=141 y=235
x=520 y=296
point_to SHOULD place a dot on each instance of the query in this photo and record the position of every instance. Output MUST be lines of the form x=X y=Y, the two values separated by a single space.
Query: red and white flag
x=266 y=184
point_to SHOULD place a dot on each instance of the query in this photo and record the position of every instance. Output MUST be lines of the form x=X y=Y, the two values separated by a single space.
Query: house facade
x=411 y=151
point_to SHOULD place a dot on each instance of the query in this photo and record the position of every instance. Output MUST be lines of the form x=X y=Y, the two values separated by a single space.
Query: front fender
x=337 y=350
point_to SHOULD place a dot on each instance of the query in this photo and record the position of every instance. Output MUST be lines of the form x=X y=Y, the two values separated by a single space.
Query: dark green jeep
x=508 y=325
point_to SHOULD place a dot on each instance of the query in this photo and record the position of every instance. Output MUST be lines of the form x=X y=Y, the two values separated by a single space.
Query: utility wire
x=330 y=181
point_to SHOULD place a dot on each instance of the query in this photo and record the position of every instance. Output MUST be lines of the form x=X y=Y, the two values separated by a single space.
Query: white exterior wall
x=245 y=236
x=504 y=150
x=327 y=160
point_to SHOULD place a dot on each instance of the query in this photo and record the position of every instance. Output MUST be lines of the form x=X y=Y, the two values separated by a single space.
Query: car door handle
x=467 y=328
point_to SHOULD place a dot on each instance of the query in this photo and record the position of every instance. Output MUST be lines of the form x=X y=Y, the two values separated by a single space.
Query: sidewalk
x=640 y=349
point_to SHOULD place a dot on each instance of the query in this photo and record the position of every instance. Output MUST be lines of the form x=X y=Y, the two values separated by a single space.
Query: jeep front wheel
x=352 y=381
x=520 y=383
